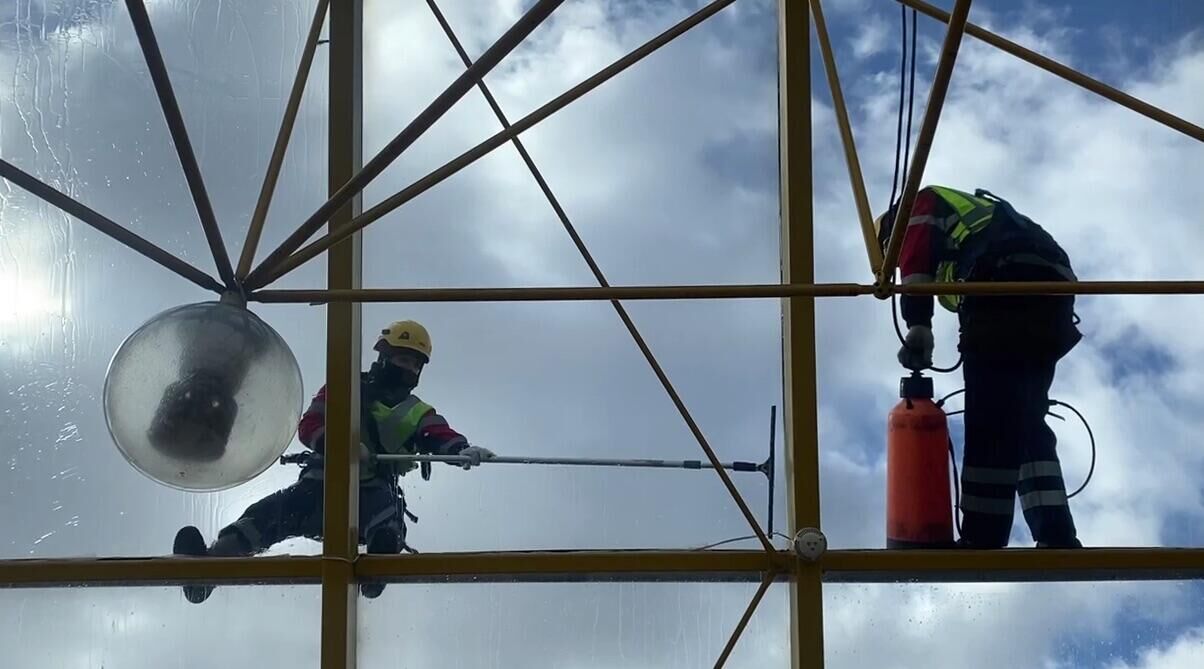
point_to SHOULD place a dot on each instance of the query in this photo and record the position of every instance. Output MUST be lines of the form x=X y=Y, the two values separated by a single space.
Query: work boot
x=385 y=541
x=190 y=542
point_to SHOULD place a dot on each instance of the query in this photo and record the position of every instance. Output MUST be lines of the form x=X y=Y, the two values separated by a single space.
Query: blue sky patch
x=1133 y=355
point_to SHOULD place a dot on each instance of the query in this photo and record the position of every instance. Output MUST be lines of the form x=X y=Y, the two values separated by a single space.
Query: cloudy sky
x=669 y=172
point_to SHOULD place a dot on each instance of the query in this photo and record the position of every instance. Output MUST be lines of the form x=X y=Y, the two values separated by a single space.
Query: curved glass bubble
x=203 y=397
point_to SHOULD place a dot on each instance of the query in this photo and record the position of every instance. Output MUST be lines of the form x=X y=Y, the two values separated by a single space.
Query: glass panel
x=572 y=625
x=1076 y=164
x=78 y=111
x=147 y=628
x=668 y=173
x=565 y=381
x=1121 y=625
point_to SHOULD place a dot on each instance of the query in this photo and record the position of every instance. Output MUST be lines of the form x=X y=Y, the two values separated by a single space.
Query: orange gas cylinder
x=919 y=510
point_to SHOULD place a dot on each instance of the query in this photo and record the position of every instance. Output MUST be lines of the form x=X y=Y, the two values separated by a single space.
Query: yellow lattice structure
x=339 y=566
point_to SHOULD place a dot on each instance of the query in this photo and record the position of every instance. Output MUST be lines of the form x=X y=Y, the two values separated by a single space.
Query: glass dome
x=203 y=397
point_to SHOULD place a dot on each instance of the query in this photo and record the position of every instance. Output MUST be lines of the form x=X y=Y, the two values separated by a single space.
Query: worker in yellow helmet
x=393 y=421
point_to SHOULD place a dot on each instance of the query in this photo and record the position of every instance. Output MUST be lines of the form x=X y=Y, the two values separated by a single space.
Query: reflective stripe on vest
x=973 y=215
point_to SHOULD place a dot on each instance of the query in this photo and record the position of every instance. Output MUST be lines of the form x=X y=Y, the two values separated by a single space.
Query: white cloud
x=872 y=37
x=1186 y=652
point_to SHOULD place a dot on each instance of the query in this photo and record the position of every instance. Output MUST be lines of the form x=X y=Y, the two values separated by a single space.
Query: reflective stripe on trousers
x=989 y=490
x=1041 y=485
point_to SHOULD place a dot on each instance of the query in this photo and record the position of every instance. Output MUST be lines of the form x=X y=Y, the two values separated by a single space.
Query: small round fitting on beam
x=882 y=289
x=810 y=544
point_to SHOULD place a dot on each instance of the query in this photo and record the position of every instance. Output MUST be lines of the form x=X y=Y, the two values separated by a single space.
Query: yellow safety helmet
x=405 y=334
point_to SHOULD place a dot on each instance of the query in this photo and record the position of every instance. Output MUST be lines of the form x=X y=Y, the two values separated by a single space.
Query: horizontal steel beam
x=576 y=566
x=1013 y=565
x=159 y=571
x=839 y=566
x=495 y=567
x=1054 y=288
x=733 y=291
x=558 y=293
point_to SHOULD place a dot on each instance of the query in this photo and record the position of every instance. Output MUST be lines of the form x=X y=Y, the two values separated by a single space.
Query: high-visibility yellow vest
x=973 y=215
x=397 y=425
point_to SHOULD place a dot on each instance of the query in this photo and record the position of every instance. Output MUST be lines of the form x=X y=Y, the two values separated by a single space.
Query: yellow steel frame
x=339 y=567
x=798 y=325
x=340 y=524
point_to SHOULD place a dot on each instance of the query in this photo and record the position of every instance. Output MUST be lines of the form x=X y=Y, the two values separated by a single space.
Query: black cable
x=911 y=96
x=894 y=184
x=957 y=495
x=957 y=491
x=910 y=88
x=946 y=398
x=743 y=538
x=894 y=312
x=1082 y=419
x=948 y=370
x=1091 y=436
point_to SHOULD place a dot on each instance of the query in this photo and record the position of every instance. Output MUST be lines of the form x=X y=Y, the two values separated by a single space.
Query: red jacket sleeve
x=437 y=437
x=917 y=259
x=312 y=429
x=919 y=255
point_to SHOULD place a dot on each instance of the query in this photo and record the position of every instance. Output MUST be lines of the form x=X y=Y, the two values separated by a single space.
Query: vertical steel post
x=798 y=323
x=341 y=519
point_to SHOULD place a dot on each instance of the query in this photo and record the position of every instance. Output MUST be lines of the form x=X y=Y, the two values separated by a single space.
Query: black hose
x=907 y=84
x=957 y=495
x=894 y=183
x=911 y=95
x=957 y=491
x=946 y=398
x=1091 y=436
x=894 y=312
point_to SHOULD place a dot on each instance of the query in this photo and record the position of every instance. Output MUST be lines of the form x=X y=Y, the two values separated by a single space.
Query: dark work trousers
x=1010 y=449
x=1010 y=349
x=296 y=511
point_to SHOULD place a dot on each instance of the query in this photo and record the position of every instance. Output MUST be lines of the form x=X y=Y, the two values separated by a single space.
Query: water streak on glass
x=77 y=111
